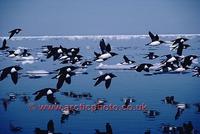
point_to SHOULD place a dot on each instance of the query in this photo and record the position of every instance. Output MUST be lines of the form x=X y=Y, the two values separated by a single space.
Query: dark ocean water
x=147 y=89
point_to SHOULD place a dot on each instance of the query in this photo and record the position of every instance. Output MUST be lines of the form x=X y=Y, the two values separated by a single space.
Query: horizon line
x=111 y=36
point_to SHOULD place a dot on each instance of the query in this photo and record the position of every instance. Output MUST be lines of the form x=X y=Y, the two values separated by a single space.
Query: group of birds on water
x=71 y=57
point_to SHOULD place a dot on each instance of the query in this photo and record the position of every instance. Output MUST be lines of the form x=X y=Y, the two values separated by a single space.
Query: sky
x=99 y=17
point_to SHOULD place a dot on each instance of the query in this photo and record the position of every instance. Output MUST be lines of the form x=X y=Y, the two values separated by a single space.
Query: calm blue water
x=145 y=89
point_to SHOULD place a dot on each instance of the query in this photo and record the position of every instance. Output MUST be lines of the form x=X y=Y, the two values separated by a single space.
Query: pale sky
x=88 y=17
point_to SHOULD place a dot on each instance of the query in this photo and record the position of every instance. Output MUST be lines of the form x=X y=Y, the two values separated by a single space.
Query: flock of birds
x=74 y=61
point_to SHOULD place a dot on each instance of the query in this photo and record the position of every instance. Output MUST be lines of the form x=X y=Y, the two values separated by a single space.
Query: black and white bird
x=67 y=112
x=77 y=95
x=151 y=56
x=25 y=53
x=56 y=52
x=13 y=71
x=86 y=63
x=13 y=32
x=63 y=77
x=108 y=130
x=179 y=40
x=166 y=67
x=127 y=101
x=180 y=46
x=180 y=108
x=181 y=68
x=168 y=129
x=151 y=113
x=4 y=45
x=12 y=53
x=71 y=59
x=73 y=51
x=49 y=93
x=169 y=100
x=127 y=61
x=188 y=60
x=63 y=54
x=171 y=61
x=107 y=77
x=99 y=103
x=148 y=131
x=103 y=57
x=104 y=48
x=66 y=69
x=155 y=41
x=50 y=129
x=142 y=67
x=105 y=52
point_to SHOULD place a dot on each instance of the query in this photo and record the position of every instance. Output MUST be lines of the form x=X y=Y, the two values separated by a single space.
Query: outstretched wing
x=107 y=83
x=180 y=50
x=11 y=34
x=61 y=80
x=56 y=56
x=4 y=74
x=39 y=96
x=51 y=99
x=140 y=68
x=102 y=46
x=156 y=37
x=14 y=77
x=50 y=126
x=108 y=48
x=126 y=59
x=68 y=80
x=99 y=80
x=151 y=36
x=4 y=43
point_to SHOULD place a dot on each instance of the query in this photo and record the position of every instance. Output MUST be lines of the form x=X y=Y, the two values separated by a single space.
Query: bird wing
x=156 y=37
x=107 y=83
x=50 y=126
x=180 y=50
x=61 y=80
x=11 y=34
x=108 y=48
x=151 y=36
x=14 y=77
x=126 y=59
x=97 y=54
x=177 y=114
x=39 y=95
x=63 y=118
x=140 y=68
x=51 y=99
x=49 y=54
x=4 y=43
x=99 y=80
x=56 y=56
x=68 y=80
x=4 y=74
x=102 y=46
